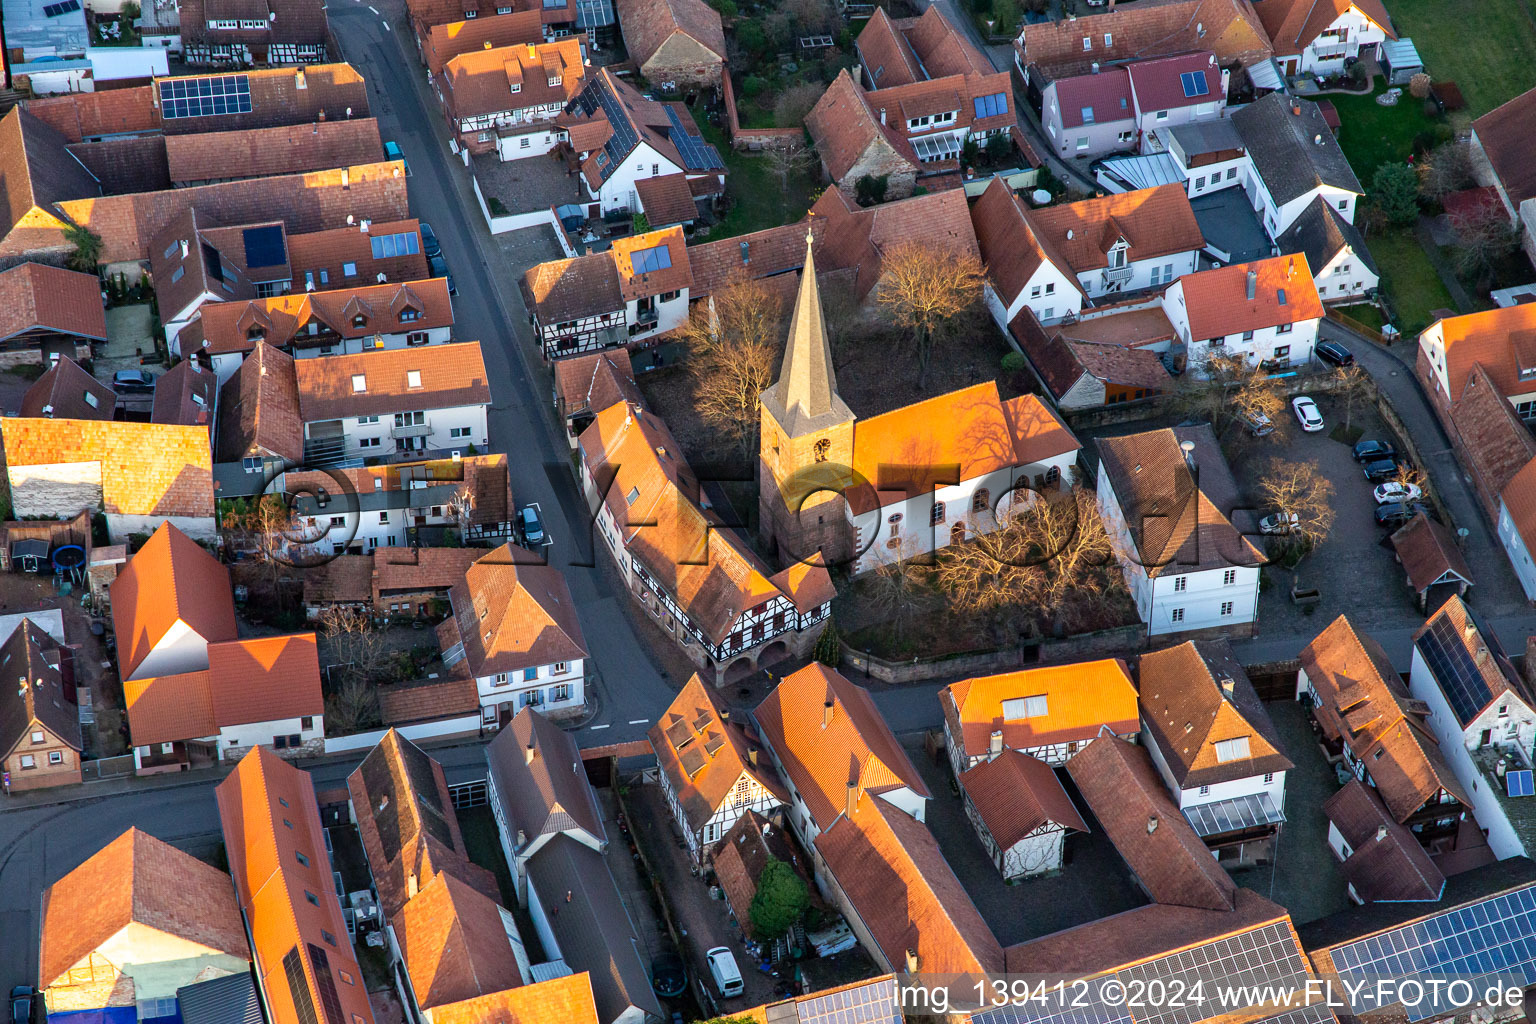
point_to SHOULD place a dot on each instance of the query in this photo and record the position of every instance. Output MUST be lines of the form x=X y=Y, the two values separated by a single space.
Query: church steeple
x=804 y=399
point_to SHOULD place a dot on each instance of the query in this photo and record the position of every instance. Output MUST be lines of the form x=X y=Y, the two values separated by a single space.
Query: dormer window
x=517 y=86
x=1117 y=255
x=359 y=321
x=409 y=314
x=255 y=333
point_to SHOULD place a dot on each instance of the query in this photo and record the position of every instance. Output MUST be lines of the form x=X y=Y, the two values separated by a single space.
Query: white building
x=1132 y=107
x=1266 y=311
x=1295 y=159
x=1308 y=42
x=1341 y=265
x=1215 y=747
x=1021 y=814
x=1166 y=508
x=388 y=402
x=713 y=770
x=1517 y=526
x=506 y=98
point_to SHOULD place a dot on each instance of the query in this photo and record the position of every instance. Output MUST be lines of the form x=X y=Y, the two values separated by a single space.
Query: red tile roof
x=1499 y=339
x=857 y=239
x=1519 y=497
x=1293 y=25
x=358 y=312
x=1495 y=443
x=282 y=149
x=450 y=376
x=667 y=199
x=1154 y=222
x=1228 y=28
x=1106 y=96
x=170 y=580
x=454 y=944
x=512 y=613
x=445 y=42
x=1505 y=136
x=1081 y=699
x=649 y=24
x=1159 y=85
x=943 y=48
x=566 y=999
x=1217 y=302
x=886 y=53
x=34 y=295
x=824 y=751
x=593 y=382
x=185 y=394
x=1428 y=553
x=324 y=255
x=259 y=409
x=1386 y=861
x=1016 y=794
x=635 y=284
x=67 y=392
x=1008 y=242
x=500 y=79
x=844 y=127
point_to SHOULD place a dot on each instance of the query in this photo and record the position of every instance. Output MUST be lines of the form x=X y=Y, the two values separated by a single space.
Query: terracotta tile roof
x=1175 y=526
x=1081 y=699
x=1171 y=862
x=345 y=579
x=515 y=613
x=66 y=392
x=1428 y=552
x=824 y=752
x=1217 y=302
x=566 y=999
x=1016 y=794
x=282 y=149
x=170 y=580
x=306 y=202
x=1188 y=709
x=1519 y=497
x=1461 y=626
x=704 y=755
x=265 y=679
x=886 y=53
x=398 y=569
x=1499 y=339
x=593 y=382
x=136 y=878
x=1228 y=28
x=444 y=42
x=857 y=238
x=586 y=134
x=1361 y=700
x=454 y=944
x=646 y=120
x=478 y=82
x=1008 y=242
x=83 y=115
x=34 y=295
x=281 y=320
x=895 y=878
x=451 y=376
x=843 y=127
x=277 y=855
x=569 y=289
x=325 y=254
x=649 y=24
x=636 y=284
x=942 y=48
x=1105 y=96
x=768 y=253
x=1154 y=221
x=131 y=164
x=971 y=428
x=743 y=854
x=1294 y=24
x=1504 y=133
x=540 y=781
x=454 y=695
x=808 y=585
x=1116 y=364
x=1158 y=82
x=32 y=657
x=1496 y=442
x=259 y=408
x=184 y=394
x=1386 y=861
x=38 y=173
x=167 y=709
x=667 y=199
x=711 y=572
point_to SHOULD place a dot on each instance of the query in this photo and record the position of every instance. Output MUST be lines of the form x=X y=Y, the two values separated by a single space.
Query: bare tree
x=1353 y=384
x=1445 y=170
x=926 y=287
x=459 y=508
x=1256 y=396
x=1301 y=490
x=1418 y=86
x=1230 y=389
x=733 y=349
x=1484 y=236
x=794 y=103
x=356 y=644
x=265 y=527
x=793 y=157
x=898 y=587
x=352 y=705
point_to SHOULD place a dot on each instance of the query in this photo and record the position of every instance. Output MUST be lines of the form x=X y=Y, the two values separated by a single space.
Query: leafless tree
x=459 y=508
x=1484 y=236
x=898 y=587
x=925 y=287
x=1299 y=489
x=793 y=157
x=356 y=644
x=794 y=103
x=1448 y=169
x=1354 y=385
x=266 y=528
x=1229 y=389
x=1418 y=86
x=733 y=349
x=352 y=705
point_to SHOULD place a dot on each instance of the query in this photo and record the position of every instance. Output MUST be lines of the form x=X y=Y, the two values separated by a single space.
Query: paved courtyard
x=533 y=183
x=1304 y=878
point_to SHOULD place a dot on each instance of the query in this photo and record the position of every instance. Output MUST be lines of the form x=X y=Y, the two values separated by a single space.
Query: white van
x=722 y=964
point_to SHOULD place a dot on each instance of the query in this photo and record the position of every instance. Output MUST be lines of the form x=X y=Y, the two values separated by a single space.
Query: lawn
x=1485 y=49
x=1364 y=313
x=1409 y=279
x=1373 y=135
x=757 y=200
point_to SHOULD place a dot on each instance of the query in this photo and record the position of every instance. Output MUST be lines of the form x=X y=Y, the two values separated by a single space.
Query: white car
x=1306 y=413
x=1280 y=524
x=722 y=966
x=1393 y=490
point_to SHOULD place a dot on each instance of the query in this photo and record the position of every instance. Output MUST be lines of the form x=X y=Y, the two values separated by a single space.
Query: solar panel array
x=991 y=106
x=1521 y=783
x=697 y=154
x=624 y=138
x=201 y=97
x=874 y=1003
x=1444 y=651
x=657 y=257
x=1194 y=83
x=264 y=246
x=401 y=243
x=1493 y=937
x=1080 y=1008
x=1259 y=956
x=63 y=7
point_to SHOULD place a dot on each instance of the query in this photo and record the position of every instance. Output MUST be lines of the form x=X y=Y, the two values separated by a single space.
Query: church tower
x=805 y=446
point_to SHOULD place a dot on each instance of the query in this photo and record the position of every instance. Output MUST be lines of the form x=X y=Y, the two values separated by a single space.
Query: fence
x=469 y=794
x=1355 y=325
x=106 y=768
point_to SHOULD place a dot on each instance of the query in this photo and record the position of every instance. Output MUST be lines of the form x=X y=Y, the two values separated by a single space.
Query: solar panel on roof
x=1454 y=669
x=1521 y=783
x=646 y=261
x=1259 y=956
x=991 y=106
x=201 y=97
x=1493 y=937
x=1194 y=83
x=697 y=154
x=264 y=246
x=63 y=7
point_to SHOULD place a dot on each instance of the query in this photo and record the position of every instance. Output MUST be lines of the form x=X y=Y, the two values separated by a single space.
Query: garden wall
x=752 y=138
x=1083 y=646
x=519 y=221
x=467 y=725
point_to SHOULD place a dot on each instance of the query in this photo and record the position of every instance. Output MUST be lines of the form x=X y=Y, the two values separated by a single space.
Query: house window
x=1229 y=577
x=1177 y=615
x=1180 y=583
x=28 y=761
x=328 y=937
x=561 y=692
x=1232 y=750
x=1109 y=39
x=1226 y=607
x=1050 y=288
x=1231 y=173
x=55 y=757
x=251 y=463
x=488 y=715
x=1087 y=115
x=559 y=668
x=349 y=269
x=413 y=379
x=301 y=858
x=1200 y=182
x=1269 y=778
x=314 y=900
x=307 y=723
x=1205 y=790
x=499 y=679
x=1282 y=352
x=38 y=736
x=530 y=698
x=1034 y=292
x=369 y=442
x=1283 y=329
x=1087 y=43
x=458 y=432
x=938 y=513
x=1247 y=335
x=416 y=338
x=1082 y=143
x=1162 y=115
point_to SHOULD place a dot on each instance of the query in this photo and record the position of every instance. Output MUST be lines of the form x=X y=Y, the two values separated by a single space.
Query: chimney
x=522 y=839
x=911 y=961
x=857 y=74
x=1152 y=824
x=1095 y=67
x=1296 y=107
x=853 y=798
x=487 y=45
x=1381 y=832
x=533 y=51
x=995 y=742
x=725 y=714
x=1253 y=283
x=528 y=753
x=1188 y=448
x=826 y=714
x=882 y=115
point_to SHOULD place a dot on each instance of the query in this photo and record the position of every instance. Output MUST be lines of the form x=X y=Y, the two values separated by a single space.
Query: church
x=867 y=492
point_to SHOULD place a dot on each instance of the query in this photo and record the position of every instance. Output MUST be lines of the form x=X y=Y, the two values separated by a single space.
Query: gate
x=106 y=768
x=468 y=794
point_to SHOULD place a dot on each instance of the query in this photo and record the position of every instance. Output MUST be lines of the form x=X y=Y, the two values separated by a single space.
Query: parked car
x=1382 y=469
x=530 y=523
x=430 y=246
x=1396 y=513
x=392 y=152
x=1306 y=414
x=1259 y=425
x=1333 y=352
x=1396 y=490
x=722 y=966
x=21 y=1004
x=439 y=268
x=1370 y=451
x=1280 y=524
x=130 y=382
x=668 y=976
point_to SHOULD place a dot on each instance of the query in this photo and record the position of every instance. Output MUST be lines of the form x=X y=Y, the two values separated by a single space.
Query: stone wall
x=1118 y=641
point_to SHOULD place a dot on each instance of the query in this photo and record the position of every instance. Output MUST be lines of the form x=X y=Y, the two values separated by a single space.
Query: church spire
x=805 y=398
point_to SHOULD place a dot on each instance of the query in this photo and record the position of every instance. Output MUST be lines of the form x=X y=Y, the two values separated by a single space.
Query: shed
x=1400 y=61
x=1431 y=559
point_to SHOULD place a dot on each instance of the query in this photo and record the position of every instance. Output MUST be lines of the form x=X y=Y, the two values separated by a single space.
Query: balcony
x=1329 y=51
x=1114 y=277
x=410 y=430
x=646 y=316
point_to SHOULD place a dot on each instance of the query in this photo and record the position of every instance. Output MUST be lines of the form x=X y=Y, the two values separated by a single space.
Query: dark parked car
x=126 y=382
x=530 y=522
x=1396 y=513
x=1382 y=469
x=439 y=268
x=21 y=1004
x=668 y=976
x=429 y=243
x=1370 y=451
x=1333 y=352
